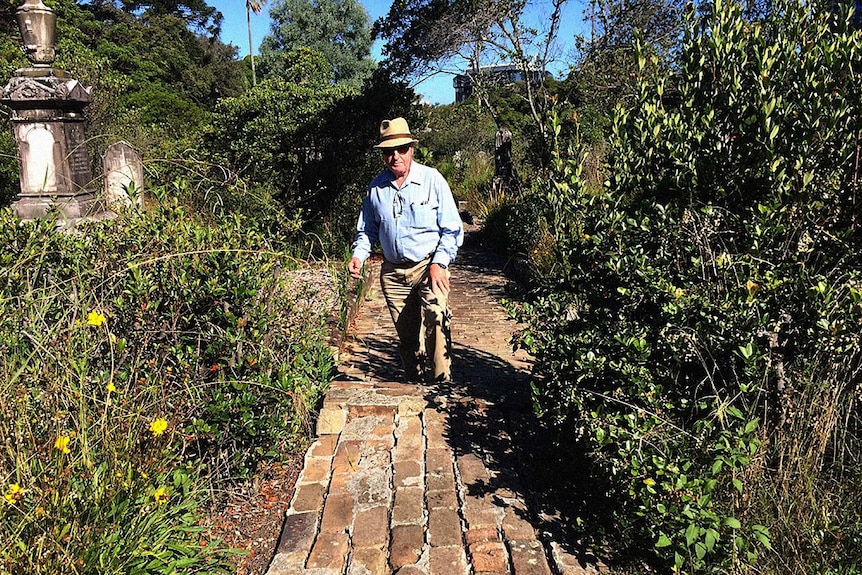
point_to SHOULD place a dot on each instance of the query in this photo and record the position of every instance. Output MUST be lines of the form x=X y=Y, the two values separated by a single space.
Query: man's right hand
x=354 y=268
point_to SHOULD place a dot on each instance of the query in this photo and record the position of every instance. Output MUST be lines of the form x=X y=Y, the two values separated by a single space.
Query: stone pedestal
x=48 y=121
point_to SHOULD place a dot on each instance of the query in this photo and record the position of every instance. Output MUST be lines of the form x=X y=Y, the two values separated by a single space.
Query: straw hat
x=395 y=133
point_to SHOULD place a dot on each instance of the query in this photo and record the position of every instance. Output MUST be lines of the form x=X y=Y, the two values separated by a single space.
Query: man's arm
x=449 y=224
x=367 y=228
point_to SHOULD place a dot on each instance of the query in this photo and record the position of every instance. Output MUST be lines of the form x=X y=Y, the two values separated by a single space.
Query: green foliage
x=9 y=185
x=143 y=361
x=271 y=135
x=153 y=80
x=195 y=13
x=307 y=143
x=337 y=29
x=702 y=329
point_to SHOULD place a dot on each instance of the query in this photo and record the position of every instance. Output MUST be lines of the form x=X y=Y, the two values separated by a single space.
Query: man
x=410 y=210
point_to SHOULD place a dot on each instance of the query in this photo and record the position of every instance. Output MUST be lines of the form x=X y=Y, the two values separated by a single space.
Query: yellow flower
x=13 y=494
x=160 y=495
x=752 y=287
x=158 y=426
x=62 y=443
x=95 y=318
x=111 y=388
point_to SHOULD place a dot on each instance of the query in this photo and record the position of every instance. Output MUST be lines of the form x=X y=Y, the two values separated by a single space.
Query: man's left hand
x=438 y=279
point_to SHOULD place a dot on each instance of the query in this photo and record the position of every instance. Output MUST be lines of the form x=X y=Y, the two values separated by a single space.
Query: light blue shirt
x=413 y=222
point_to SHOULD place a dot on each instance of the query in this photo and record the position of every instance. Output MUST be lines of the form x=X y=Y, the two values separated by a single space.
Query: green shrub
x=702 y=329
x=144 y=361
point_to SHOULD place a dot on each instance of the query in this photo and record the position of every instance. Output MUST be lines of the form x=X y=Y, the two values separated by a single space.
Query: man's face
x=398 y=160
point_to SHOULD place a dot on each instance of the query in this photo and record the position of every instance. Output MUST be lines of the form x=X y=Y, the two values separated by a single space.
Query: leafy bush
x=702 y=330
x=143 y=361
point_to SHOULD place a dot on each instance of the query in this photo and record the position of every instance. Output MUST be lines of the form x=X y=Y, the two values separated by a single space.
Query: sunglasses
x=402 y=150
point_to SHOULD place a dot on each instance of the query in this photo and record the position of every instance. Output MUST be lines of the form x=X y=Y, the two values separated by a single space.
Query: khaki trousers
x=422 y=320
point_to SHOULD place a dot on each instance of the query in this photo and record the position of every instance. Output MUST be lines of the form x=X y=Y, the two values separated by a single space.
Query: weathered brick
x=371 y=486
x=409 y=442
x=411 y=406
x=438 y=482
x=435 y=416
x=489 y=557
x=297 y=533
x=448 y=561
x=370 y=410
x=436 y=429
x=371 y=527
x=481 y=534
x=442 y=499
x=528 y=558
x=316 y=469
x=338 y=481
x=516 y=528
x=409 y=505
x=385 y=430
x=444 y=527
x=381 y=444
x=478 y=514
x=337 y=513
x=331 y=421
x=329 y=552
x=347 y=454
x=405 y=545
x=324 y=446
x=308 y=497
x=568 y=564
x=439 y=461
x=407 y=474
x=472 y=470
x=287 y=564
x=367 y=561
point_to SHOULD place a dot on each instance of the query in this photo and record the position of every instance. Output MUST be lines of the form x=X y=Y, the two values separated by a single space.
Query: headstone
x=124 y=177
x=503 y=155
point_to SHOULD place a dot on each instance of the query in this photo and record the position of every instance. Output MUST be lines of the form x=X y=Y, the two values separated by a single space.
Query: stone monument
x=48 y=120
x=124 y=177
x=503 y=168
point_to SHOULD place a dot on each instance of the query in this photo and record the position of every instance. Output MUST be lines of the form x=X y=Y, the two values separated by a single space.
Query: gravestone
x=124 y=177
x=503 y=155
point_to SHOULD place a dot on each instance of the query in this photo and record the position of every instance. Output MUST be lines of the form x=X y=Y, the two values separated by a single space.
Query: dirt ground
x=253 y=514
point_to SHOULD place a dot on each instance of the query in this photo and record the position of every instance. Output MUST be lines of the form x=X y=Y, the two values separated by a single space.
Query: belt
x=408 y=263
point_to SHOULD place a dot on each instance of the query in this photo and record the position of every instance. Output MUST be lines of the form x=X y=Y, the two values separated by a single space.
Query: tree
x=270 y=134
x=606 y=69
x=425 y=37
x=252 y=6
x=197 y=13
x=337 y=29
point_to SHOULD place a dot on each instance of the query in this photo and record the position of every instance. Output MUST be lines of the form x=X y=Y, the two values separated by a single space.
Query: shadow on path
x=489 y=407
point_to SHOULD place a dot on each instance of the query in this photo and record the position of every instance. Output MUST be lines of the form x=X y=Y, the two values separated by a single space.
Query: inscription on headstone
x=39 y=175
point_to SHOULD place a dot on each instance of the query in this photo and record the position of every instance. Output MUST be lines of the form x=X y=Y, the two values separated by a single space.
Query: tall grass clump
x=701 y=336
x=144 y=362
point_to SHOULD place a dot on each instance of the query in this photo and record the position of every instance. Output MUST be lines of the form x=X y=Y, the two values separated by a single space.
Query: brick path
x=412 y=479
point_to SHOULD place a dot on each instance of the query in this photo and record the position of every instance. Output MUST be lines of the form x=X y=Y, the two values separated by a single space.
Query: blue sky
x=437 y=89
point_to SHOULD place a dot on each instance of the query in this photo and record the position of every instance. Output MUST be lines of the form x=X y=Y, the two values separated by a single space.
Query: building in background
x=502 y=75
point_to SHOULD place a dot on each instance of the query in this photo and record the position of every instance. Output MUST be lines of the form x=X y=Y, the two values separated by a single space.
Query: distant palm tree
x=252 y=6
